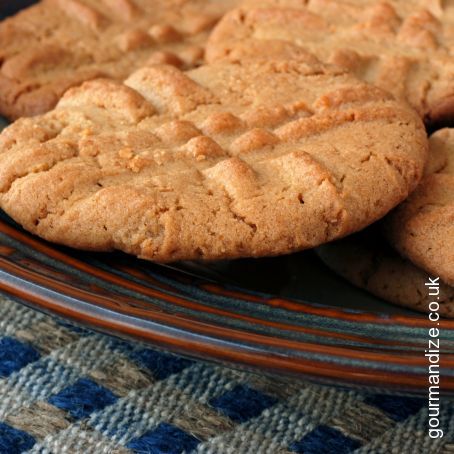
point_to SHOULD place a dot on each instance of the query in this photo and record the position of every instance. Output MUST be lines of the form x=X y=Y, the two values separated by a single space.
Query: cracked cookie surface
x=367 y=261
x=403 y=46
x=224 y=161
x=56 y=44
x=422 y=228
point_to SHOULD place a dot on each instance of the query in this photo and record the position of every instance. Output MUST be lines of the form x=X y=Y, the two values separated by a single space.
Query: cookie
x=403 y=46
x=57 y=44
x=224 y=161
x=367 y=261
x=422 y=228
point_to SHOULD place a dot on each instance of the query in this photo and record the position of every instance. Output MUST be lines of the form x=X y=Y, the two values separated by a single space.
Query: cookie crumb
x=126 y=153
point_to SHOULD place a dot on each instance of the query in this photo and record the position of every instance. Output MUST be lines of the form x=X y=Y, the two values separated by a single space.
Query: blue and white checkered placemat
x=63 y=389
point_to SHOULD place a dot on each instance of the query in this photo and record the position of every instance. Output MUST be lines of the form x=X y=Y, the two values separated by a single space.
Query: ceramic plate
x=286 y=315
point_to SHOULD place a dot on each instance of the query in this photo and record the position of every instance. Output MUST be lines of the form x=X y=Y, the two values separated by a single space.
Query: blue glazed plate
x=285 y=315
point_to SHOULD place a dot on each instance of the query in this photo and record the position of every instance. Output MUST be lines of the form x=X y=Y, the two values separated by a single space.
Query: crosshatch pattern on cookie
x=422 y=228
x=57 y=44
x=227 y=160
x=404 y=46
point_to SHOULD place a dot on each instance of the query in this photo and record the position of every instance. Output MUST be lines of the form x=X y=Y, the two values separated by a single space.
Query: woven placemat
x=66 y=389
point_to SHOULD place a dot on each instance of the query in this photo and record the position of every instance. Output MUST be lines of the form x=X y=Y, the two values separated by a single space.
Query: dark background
x=8 y=7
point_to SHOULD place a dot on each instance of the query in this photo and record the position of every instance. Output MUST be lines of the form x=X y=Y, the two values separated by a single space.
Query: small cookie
x=367 y=261
x=224 y=161
x=403 y=46
x=422 y=228
x=57 y=44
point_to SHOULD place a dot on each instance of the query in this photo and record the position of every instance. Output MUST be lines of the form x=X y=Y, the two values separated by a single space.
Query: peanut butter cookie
x=57 y=44
x=369 y=262
x=229 y=160
x=403 y=46
x=422 y=228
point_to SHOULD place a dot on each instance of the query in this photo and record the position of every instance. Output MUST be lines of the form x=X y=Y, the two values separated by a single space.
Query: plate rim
x=328 y=369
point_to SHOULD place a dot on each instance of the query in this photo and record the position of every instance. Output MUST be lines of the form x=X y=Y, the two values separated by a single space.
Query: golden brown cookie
x=422 y=228
x=403 y=46
x=57 y=44
x=367 y=261
x=224 y=161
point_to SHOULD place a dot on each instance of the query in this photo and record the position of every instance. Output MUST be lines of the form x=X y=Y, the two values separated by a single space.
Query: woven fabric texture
x=66 y=389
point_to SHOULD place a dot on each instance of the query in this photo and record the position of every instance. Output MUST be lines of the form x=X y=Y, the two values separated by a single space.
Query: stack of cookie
x=288 y=125
x=421 y=232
